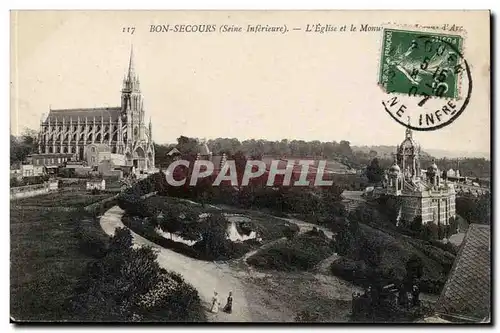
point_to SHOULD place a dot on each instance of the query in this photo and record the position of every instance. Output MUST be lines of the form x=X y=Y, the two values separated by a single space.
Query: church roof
x=467 y=292
x=174 y=151
x=89 y=113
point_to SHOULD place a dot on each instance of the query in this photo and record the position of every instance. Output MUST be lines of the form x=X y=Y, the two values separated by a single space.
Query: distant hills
x=387 y=151
x=441 y=153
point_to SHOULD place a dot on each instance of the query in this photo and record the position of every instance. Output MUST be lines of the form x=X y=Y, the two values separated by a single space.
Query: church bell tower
x=132 y=103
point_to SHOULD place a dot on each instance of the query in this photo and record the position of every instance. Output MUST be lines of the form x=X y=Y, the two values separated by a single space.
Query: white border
x=190 y=4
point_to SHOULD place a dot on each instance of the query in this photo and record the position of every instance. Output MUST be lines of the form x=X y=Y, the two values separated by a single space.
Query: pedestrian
x=215 y=303
x=229 y=305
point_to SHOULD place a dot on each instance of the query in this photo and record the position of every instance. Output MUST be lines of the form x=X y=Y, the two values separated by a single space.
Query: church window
x=92 y=159
x=92 y=149
x=136 y=132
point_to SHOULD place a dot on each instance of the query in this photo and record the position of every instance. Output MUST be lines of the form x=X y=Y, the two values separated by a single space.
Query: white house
x=96 y=184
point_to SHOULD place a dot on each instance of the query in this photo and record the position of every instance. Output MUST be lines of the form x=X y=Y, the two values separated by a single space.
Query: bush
x=95 y=191
x=147 y=231
x=92 y=239
x=129 y=285
x=448 y=246
x=301 y=253
x=355 y=271
x=135 y=206
x=430 y=231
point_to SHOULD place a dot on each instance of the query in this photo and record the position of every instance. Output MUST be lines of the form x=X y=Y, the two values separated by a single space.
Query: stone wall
x=33 y=190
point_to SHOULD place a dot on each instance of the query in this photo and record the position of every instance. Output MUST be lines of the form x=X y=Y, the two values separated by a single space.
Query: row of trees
x=23 y=145
x=474 y=209
x=472 y=167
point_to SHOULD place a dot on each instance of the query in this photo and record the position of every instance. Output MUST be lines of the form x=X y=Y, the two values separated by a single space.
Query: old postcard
x=250 y=166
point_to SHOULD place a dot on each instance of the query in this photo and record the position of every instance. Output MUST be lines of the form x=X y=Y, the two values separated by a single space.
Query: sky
x=297 y=85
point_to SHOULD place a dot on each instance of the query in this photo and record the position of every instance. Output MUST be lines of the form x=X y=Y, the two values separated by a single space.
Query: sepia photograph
x=250 y=166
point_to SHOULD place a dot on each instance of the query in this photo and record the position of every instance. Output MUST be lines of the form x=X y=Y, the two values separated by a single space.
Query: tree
x=374 y=172
x=22 y=146
x=128 y=285
x=416 y=224
x=240 y=162
x=214 y=236
x=187 y=146
x=171 y=222
x=414 y=270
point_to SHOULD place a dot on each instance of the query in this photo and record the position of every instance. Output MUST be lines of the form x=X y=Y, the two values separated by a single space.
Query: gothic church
x=93 y=135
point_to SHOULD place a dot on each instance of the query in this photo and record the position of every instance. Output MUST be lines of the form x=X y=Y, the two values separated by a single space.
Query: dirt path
x=269 y=296
x=324 y=265
x=204 y=276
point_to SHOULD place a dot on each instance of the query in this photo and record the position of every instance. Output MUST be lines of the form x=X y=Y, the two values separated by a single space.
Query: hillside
x=387 y=151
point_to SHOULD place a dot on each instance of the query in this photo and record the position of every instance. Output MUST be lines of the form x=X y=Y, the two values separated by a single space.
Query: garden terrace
x=65 y=198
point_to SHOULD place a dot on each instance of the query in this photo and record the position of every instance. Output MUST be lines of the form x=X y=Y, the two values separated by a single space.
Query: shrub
x=128 y=284
x=355 y=271
x=430 y=231
x=95 y=191
x=301 y=253
x=448 y=246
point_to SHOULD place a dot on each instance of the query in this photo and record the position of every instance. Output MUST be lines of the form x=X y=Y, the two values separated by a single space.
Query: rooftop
x=467 y=293
x=89 y=113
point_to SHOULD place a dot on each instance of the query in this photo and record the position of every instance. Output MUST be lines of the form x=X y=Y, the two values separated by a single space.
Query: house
x=96 y=184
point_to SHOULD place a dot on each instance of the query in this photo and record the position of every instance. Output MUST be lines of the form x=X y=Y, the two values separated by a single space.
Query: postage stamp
x=417 y=63
x=428 y=72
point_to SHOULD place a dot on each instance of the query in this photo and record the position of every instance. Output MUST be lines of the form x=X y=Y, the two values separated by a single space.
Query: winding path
x=204 y=276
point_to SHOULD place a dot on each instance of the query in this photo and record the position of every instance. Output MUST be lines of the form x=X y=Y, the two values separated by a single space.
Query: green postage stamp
x=421 y=63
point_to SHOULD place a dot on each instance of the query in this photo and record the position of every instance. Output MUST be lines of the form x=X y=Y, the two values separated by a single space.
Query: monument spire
x=408 y=129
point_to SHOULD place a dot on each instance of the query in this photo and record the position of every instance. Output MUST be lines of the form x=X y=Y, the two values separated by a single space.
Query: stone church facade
x=418 y=192
x=117 y=134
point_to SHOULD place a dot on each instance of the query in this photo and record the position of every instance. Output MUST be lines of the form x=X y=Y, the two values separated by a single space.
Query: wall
x=33 y=190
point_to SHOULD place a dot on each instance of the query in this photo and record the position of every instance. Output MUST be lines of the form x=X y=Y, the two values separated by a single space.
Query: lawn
x=302 y=252
x=46 y=262
x=65 y=198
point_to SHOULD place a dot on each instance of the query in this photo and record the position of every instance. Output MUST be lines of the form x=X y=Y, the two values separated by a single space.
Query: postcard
x=250 y=166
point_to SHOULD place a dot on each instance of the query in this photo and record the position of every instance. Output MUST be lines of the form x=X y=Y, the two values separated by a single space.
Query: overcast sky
x=269 y=86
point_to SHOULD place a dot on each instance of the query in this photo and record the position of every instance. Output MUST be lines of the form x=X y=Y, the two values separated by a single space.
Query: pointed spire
x=408 y=129
x=131 y=69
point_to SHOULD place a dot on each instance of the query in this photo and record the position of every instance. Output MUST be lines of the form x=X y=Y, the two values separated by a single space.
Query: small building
x=96 y=184
x=30 y=170
x=174 y=153
x=51 y=161
x=107 y=168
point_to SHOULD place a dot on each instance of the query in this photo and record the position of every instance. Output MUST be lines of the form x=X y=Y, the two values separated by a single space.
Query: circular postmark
x=426 y=78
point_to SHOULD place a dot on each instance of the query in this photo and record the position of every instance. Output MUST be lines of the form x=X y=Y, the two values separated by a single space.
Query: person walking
x=215 y=303
x=229 y=305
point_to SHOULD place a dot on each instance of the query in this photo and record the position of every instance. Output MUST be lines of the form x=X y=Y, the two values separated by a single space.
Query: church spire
x=131 y=69
x=131 y=80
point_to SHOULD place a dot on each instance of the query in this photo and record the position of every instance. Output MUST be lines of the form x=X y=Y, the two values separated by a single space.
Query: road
x=204 y=276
